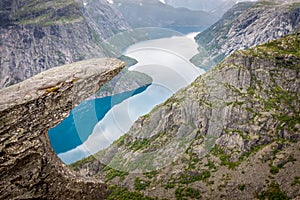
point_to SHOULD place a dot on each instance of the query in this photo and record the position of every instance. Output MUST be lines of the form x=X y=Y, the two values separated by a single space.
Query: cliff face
x=244 y=26
x=38 y=35
x=29 y=168
x=233 y=133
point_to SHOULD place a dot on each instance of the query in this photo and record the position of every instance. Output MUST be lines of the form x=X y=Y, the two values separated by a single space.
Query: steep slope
x=29 y=168
x=244 y=26
x=232 y=133
x=153 y=13
x=37 y=35
x=216 y=7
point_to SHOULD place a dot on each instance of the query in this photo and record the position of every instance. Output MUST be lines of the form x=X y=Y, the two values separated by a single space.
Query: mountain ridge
x=35 y=38
x=244 y=26
x=241 y=114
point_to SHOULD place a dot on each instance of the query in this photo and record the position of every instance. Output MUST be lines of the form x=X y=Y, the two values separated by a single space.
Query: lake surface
x=167 y=62
x=77 y=127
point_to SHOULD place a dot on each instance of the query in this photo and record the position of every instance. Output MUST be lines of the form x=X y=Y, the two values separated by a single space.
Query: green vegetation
x=225 y=158
x=183 y=193
x=141 y=184
x=273 y=193
x=282 y=97
x=117 y=193
x=169 y=185
x=190 y=177
x=296 y=181
x=277 y=51
x=78 y=164
x=275 y=169
x=47 y=13
x=112 y=173
x=139 y=144
x=242 y=187
x=148 y=143
x=151 y=174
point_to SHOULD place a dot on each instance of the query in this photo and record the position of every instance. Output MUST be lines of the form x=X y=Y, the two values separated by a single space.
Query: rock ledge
x=29 y=168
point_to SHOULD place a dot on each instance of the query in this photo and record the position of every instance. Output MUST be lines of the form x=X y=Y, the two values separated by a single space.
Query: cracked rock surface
x=29 y=168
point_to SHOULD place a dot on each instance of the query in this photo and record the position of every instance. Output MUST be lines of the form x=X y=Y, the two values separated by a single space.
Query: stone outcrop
x=246 y=25
x=232 y=133
x=37 y=35
x=29 y=168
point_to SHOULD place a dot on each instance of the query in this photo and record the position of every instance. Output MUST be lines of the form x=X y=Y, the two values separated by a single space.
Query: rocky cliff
x=37 y=35
x=232 y=134
x=29 y=168
x=246 y=25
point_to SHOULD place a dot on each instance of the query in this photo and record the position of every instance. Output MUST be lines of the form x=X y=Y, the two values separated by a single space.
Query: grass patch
x=273 y=193
x=139 y=144
x=151 y=174
x=169 y=185
x=77 y=165
x=112 y=173
x=191 y=177
x=141 y=184
x=296 y=181
x=182 y=193
x=242 y=187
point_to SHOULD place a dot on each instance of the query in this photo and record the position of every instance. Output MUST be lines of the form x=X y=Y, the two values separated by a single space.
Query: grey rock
x=61 y=33
x=29 y=168
x=227 y=115
x=246 y=25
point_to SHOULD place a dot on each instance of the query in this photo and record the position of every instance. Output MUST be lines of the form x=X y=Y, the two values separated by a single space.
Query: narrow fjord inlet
x=165 y=60
x=150 y=99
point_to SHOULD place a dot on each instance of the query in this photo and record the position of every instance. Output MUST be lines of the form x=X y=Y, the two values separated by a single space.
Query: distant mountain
x=154 y=13
x=246 y=25
x=39 y=34
x=205 y=5
x=216 y=7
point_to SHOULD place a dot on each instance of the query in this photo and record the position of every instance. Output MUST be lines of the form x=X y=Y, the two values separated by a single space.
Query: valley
x=166 y=61
x=198 y=100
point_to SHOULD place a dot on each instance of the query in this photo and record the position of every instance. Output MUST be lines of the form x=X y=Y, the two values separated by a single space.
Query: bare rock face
x=38 y=35
x=29 y=168
x=246 y=25
x=232 y=133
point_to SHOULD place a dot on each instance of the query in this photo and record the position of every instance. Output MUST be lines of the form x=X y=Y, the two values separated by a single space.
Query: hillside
x=232 y=133
x=246 y=25
x=153 y=13
x=37 y=35
x=216 y=7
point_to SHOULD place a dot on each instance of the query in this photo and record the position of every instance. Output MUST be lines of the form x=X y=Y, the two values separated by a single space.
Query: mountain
x=216 y=7
x=204 y=5
x=37 y=35
x=232 y=133
x=244 y=26
x=153 y=13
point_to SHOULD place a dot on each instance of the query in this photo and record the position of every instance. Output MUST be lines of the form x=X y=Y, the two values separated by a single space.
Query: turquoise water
x=166 y=61
x=77 y=127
